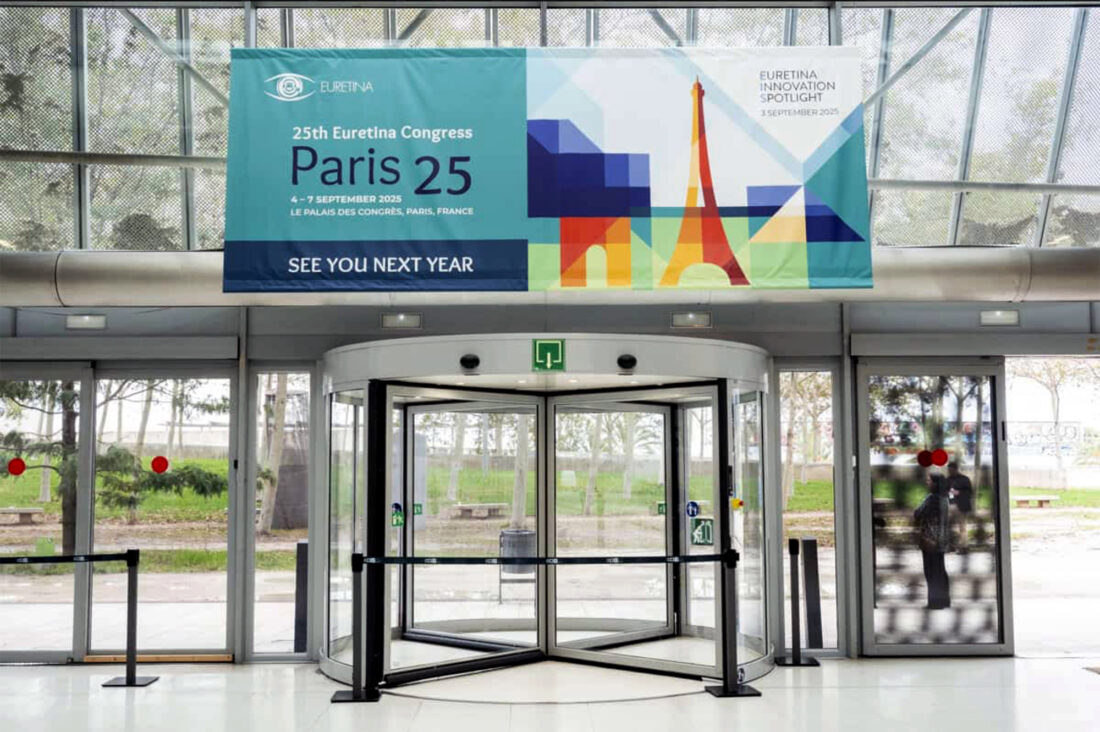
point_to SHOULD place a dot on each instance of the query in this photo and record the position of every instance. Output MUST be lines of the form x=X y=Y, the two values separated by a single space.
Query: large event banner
x=546 y=169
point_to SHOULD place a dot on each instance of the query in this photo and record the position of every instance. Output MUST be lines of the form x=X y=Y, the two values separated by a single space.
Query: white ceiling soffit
x=959 y=274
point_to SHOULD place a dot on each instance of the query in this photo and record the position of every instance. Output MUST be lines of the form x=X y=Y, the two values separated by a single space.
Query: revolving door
x=513 y=518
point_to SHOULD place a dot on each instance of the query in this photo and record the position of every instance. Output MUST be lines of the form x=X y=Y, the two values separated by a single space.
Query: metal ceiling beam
x=416 y=22
x=171 y=53
x=977 y=79
x=919 y=54
x=1065 y=100
x=667 y=29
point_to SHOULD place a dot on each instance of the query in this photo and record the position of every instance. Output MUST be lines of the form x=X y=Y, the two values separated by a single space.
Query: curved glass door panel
x=747 y=525
x=611 y=477
x=463 y=479
x=345 y=441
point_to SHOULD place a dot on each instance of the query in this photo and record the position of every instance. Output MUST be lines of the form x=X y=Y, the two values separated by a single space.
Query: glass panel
x=742 y=26
x=934 y=520
x=473 y=483
x=282 y=520
x=1025 y=63
x=806 y=452
x=338 y=27
x=345 y=423
x=911 y=218
x=162 y=466
x=812 y=26
x=39 y=445
x=518 y=27
x=133 y=96
x=1082 y=136
x=922 y=140
x=443 y=27
x=702 y=487
x=998 y=219
x=611 y=500
x=637 y=28
x=566 y=26
x=1073 y=221
x=1054 y=487
x=36 y=207
x=269 y=31
x=36 y=79
x=135 y=208
x=747 y=522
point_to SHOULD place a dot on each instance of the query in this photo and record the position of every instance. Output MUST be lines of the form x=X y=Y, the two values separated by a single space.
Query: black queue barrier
x=796 y=659
x=365 y=685
x=132 y=557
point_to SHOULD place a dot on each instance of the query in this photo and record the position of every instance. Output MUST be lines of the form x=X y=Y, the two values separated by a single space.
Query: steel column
x=976 y=77
x=1064 y=102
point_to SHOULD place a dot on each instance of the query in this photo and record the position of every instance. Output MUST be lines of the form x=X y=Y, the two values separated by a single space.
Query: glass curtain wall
x=1015 y=90
x=806 y=456
x=162 y=486
x=281 y=512
x=39 y=448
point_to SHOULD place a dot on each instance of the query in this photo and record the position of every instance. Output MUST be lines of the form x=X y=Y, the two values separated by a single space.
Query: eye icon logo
x=288 y=87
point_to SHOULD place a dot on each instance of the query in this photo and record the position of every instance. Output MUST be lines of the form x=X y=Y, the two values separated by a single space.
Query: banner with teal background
x=546 y=169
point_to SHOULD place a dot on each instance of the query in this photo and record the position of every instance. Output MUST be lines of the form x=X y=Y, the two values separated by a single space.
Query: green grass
x=22 y=492
x=813 y=495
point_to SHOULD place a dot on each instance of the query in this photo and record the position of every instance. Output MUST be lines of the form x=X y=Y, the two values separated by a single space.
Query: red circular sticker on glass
x=924 y=458
x=939 y=457
x=16 y=466
x=160 y=464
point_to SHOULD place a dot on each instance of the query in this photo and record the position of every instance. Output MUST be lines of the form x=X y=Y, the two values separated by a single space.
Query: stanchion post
x=133 y=558
x=795 y=659
x=357 y=693
x=731 y=676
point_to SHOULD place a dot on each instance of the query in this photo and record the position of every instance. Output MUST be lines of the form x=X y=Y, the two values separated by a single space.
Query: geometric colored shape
x=579 y=234
x=787 y=225
x=924 y=458
x=834 y=264
x=841 y=185
x=16 y=466
x=939 y=457
x=778 y=264
x=569 y=176
x=764 y=202
x=159 y=464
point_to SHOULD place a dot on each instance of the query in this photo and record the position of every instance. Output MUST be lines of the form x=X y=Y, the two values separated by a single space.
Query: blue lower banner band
x=282 y=266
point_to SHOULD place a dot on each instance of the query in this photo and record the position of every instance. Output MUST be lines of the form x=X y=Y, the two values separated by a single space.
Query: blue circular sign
x=692 y=509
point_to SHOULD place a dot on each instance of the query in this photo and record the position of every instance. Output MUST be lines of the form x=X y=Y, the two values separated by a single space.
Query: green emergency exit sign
x=702 y=532
x=548 y=354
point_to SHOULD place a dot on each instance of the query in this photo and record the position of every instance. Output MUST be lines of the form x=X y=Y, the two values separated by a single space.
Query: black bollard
x=133 y=558
x=795 y=659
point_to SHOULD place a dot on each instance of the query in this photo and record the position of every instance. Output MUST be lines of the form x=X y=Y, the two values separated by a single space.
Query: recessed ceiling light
x=999 y=317
x=522 y=381
x=460 y=383
x=86 y=322
x=694 y=319
x=402 y=320
x=572 y=381
x=633 y=382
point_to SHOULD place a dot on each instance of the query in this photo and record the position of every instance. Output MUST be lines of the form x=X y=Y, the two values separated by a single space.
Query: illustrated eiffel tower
x=702 y=239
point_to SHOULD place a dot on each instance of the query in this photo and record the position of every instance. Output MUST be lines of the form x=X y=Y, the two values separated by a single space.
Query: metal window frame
x=1065 y=101
x=81 y=373
x=774 y=527
x=250 y=396
x=234 y=550
x=994 y=369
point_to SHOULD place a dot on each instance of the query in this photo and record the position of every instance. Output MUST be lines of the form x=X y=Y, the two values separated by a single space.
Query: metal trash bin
x=518 y=543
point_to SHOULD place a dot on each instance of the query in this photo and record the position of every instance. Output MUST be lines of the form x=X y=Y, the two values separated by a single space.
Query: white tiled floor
x=927 y=694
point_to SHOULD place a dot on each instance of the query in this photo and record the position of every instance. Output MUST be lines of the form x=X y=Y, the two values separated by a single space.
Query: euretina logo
x=288 y=87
